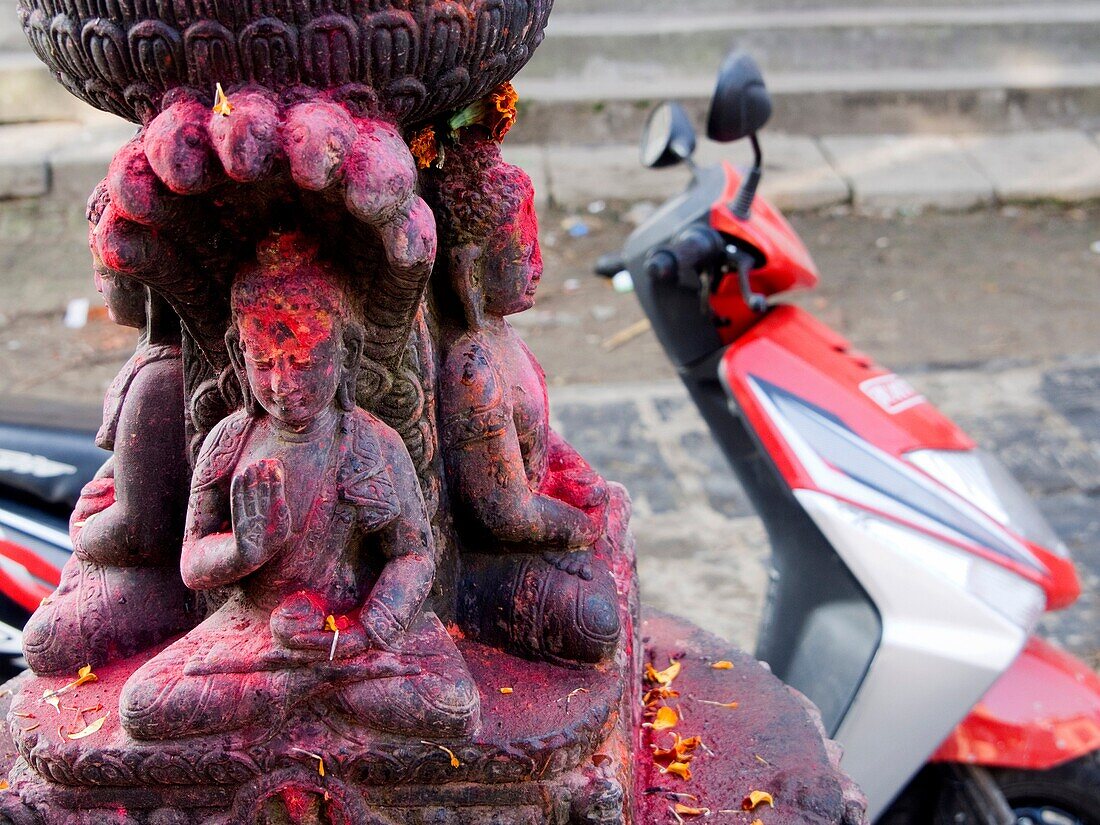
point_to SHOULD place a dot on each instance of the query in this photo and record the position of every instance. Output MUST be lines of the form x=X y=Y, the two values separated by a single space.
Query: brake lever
x=745 y=262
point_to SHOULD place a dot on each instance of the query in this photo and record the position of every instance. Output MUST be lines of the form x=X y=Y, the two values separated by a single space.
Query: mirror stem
x=742 y=203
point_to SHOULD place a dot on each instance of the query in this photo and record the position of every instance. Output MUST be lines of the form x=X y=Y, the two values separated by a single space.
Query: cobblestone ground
x=703 y=554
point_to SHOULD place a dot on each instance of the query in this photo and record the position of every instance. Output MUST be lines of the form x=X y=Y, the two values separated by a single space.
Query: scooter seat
x=47 y=449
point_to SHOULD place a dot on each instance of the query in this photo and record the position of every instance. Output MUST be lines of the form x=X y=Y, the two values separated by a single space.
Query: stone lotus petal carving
x=407 y=60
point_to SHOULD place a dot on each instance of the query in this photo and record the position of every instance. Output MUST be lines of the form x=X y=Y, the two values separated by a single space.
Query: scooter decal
x=842 y=463
x=891 y=392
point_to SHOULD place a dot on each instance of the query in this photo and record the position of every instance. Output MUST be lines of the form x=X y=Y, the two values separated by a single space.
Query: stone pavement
x=878 y=174
x=702 y=552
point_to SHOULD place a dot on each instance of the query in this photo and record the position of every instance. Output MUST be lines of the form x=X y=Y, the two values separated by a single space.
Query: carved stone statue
x=327 y=525
x=127 y=525
x=340 y=570
x=532 y=509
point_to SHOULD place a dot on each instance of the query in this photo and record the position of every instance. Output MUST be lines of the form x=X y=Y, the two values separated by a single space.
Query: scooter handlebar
x=692 y=250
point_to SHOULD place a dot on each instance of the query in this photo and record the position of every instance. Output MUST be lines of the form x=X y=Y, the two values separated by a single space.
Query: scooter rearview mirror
x=741 y=104
x=668 y=137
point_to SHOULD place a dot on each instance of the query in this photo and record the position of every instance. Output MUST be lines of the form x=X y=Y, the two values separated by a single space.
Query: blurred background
x=940 y=159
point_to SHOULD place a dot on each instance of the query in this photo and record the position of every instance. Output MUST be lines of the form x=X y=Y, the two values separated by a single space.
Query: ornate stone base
x=559 y=749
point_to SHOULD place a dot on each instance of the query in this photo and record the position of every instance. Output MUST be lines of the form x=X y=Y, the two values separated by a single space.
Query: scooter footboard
x=1044 y=711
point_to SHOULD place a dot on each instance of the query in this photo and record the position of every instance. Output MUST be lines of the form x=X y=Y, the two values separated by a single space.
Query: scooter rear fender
x=1044 y=711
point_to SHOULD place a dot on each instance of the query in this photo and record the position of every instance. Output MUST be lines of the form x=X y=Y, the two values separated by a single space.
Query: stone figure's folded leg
x=441 y=701
x=529 y=606
x=101 y=614
x=201 y=685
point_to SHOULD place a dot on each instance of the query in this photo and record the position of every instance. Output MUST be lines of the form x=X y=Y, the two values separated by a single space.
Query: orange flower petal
x=222 y=106
x=662 y=677
x=756 y=799
x=722 y=665
x=730 y=705
x=507 y=691
x=665 y=719
x=680 y=769
x=89 y=729
x=687 y=810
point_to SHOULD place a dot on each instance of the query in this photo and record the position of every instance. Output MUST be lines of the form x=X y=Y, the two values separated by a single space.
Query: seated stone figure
x=306 y=510
x=126 y=527
x=529 y=507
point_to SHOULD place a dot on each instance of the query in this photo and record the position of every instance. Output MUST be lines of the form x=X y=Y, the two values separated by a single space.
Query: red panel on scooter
x=792 y=350
x=1044 y=711
x=787 y=263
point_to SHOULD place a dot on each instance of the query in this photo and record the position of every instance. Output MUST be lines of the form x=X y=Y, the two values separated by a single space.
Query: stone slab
x=771 y=741
x=81 y=163
x=891 y=173
x=582 y=174
x=24 y=150
x=532 y=159
x=1059 y=165
x=797 y=175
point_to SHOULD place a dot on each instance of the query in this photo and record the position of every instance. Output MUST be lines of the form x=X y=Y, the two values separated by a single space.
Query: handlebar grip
x=691 y=250
x=610 y=265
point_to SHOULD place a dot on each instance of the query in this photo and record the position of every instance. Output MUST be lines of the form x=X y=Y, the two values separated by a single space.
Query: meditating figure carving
x=308 y=511
x=531 y=511
x=127 y=525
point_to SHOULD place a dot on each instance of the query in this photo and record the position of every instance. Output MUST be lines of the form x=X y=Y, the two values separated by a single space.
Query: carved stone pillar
x=340 y=569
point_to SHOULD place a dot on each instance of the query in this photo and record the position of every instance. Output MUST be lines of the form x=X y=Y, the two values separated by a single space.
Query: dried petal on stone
x=311 y=755
x=507 y=691
x=454 y=759
x=756 y=799
x=662 y=677
x=222 y=106
x=88 y=730
x=332 y=627
x=83 y=676
x=665 y=719
x=730 y=705
x=680 y=769
x=723 y=665
x=659 y=694
x=3 y=784
x=687 y=810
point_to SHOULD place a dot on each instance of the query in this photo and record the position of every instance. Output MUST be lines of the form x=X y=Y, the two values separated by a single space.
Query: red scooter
x=909 y=568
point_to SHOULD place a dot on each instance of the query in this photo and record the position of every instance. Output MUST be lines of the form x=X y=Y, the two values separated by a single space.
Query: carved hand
x=97 y=495
x=261 y=518
x=299 y=623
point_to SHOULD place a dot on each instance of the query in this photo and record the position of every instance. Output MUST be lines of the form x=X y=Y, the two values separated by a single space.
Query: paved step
x=630 y=7
x=817 y=103
x=63 y=162
x=645 y=47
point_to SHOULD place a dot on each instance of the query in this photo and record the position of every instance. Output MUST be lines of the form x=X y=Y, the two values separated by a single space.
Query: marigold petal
x=722 y=665
x=680 y=769
x=687 y=810
x=89 y=729
x=222 y=106
x=665 y=719
x=756 y=799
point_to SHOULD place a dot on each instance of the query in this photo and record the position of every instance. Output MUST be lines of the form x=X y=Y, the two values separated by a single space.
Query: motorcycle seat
x=47 y=449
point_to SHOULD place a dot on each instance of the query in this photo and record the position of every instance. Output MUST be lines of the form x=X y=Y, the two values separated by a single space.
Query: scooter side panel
x=795 y=352
x=1044 y=711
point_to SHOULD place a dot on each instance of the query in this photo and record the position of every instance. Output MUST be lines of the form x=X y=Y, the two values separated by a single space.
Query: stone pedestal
x=563 y=747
